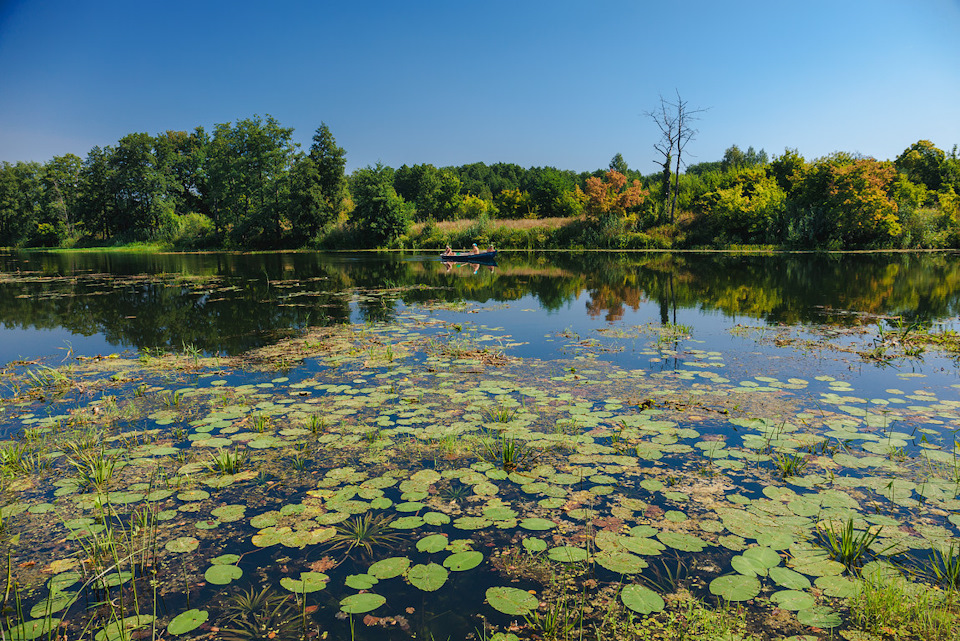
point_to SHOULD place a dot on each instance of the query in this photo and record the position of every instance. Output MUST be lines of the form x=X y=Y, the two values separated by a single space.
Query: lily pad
x=641 y=599
x=221 y=574
x=462 y=561
x=735 y=587
x=308 y=582
x=182 y=544
x=793 y=599
x=389 y=568
x=361 y=581
x=819 y=616
x=537 y=524
x=567 y=554
x=511 y=601
x=187 y=621
x=621 y=562
x=432 y=543
x=428 y=578
x=121 y=629
x=360 y=603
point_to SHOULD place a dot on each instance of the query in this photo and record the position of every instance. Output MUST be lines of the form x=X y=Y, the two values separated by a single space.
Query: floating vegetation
x=368 y=533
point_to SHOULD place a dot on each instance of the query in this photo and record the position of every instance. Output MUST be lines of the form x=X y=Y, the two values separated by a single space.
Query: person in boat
x=491 y=248
x=448 y=251
x=475 y=250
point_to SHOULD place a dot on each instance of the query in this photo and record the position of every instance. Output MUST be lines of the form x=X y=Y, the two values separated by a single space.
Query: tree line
x=247 y=185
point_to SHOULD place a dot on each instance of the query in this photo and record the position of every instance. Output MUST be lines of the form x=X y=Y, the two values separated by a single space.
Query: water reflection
x=231 y=302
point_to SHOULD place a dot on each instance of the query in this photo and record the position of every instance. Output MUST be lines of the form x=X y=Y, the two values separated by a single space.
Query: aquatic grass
x=944 y=566
x=789 y=464
x=666 y=574
x=845 y=544
x=227 y=462
x=92 y=467
x=506 y=452
x=889 y=606
x=368 y=533
x=500 y=414
x=253 y=616
x=558 y=620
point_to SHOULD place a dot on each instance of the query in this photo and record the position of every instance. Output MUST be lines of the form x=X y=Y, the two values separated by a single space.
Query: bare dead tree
x=674 y=120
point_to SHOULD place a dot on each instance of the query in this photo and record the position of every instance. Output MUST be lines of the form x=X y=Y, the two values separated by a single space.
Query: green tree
x=137 y=186
x=317 y=186
x=435 y=193
x=96 y=206
x=248 y=179
x=618 y=164
x=380 y=214
x=21 y=201
x=922 y=162
x=846 y=202
x=61 y=192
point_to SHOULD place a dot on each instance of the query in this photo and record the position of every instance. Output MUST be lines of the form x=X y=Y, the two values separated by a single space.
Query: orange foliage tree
x=610 y=196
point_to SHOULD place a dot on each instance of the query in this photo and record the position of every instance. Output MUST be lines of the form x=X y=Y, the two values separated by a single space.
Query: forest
x=246 y=185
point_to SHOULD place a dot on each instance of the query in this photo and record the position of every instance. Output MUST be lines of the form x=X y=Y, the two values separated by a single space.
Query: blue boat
x=482 y=257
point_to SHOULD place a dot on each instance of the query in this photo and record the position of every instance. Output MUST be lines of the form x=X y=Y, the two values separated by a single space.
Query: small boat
x=482 y=257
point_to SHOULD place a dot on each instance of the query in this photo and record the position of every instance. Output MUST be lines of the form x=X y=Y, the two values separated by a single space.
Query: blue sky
x=556 y=83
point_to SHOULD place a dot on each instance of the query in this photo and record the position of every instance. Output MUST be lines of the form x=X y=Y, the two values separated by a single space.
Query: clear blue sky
x=536 y=83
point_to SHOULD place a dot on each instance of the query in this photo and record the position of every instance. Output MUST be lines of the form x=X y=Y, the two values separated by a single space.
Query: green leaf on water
x=308 y=582
x=567 y=554
x=361 y=581
x=187 y=621
x=511 y=601
x=620 y=562
x=537 y=524
x=462 y=561
x=735 y=587
x=819 y=616
x=793 y=599
x=389 y=568
x=534 y=545
x=221 y=574
x=428 y=578
x=789 y=579
x=432 y=543
x=182 y=544
x=641 y=599
x=360 y=603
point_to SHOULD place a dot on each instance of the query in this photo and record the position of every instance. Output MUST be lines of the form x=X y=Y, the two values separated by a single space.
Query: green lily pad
x=620 y=562
x=55 y=602
x=682 y=542
x=735 y=587
x=182 y=544
x=789 y=579
x=407 y=522
x=534 y=545
x=511 y=601
x=819 y=616
x=567 y=554
x=308 y=582
x=462 y=561
x=428 y=578
x=793 y=599
x=361 y=581
x=641 y=599
x=432 y=543
x=360 y=603
x=187 y=621
x=116 y=630
x=389 y=568
x=537 y=524
x=32 y=629
x=221 y=574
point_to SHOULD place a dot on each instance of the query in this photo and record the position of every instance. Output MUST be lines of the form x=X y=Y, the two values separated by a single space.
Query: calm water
x=593 y=342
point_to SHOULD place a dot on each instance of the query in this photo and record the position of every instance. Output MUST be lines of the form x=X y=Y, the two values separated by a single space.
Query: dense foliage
x=247 y=185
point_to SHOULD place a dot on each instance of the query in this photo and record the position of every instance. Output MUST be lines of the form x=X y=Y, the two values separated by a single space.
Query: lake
x=383 y=446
